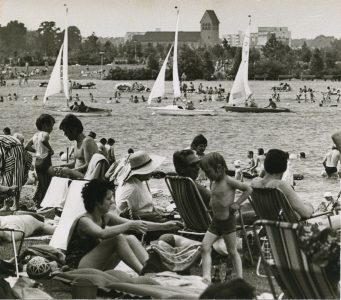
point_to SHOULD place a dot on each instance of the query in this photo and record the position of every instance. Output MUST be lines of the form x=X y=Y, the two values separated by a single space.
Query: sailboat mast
x=176 y=82
x=65 y=60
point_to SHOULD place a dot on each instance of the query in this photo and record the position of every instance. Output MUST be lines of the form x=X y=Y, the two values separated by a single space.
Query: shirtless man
x=85 y=148
x=330 y=162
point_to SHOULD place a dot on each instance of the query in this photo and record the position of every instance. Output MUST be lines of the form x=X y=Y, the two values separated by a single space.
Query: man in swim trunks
x=331 y=160
x=85 y=148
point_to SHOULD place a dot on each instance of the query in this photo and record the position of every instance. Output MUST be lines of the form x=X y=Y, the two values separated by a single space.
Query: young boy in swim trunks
x=223 y=190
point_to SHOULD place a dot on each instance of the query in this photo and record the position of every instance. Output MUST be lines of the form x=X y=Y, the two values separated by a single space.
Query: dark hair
x=198 y=140
x=250 y=152
x=61 y=153
x=71 y=122
x=7 y=130
x=130 y=150
x=111 y=141
x=275 y=161
x=103 y=141
x=260 y=151
x=94 y=192
x=44 y=119
x=92 y=134
x=180 y=162
x=236 y=288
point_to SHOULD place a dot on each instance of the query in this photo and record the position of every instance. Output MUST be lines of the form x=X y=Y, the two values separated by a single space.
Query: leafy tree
x=207 y=66
x=14 y=35
x=305 y=53
x=317 y=63
x=49 y=38
x=189 y=63
x=236 y=61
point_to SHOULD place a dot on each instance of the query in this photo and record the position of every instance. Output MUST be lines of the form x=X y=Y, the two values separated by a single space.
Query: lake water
x=307 y=129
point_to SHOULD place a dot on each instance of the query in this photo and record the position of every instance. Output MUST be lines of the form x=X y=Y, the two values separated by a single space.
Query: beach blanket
x=97 y=167
x=56 y=193
x=73 y=208
x=50 y=253
x=119 y=281
x=176 y=258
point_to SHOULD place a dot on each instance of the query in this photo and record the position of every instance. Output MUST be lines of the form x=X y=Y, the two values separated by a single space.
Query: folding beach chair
x=295 y=274
x=192 y=208
x=272 y=204
x=14 y=233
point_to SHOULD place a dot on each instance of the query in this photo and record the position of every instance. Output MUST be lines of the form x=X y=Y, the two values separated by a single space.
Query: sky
x=113 y=18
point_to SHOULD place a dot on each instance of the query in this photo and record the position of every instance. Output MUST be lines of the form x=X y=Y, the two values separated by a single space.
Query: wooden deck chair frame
x=296 y=276
x=192 y=208
x=272 y=204
x=15 y=250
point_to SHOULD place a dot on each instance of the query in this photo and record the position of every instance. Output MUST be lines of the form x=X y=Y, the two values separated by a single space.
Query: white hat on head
x=237 y=163
x=141 y=163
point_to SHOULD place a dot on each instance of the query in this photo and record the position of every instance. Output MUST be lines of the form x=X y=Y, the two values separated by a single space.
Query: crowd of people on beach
x=118 y=204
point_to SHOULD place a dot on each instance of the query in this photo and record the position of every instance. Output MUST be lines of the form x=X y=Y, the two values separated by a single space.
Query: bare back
x=84 y=152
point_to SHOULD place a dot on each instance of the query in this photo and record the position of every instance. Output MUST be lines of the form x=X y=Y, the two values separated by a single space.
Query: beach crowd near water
x=119 y=208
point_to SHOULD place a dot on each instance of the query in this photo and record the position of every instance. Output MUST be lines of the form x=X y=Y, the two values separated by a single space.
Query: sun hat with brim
x=327 y=195
x=141 y=163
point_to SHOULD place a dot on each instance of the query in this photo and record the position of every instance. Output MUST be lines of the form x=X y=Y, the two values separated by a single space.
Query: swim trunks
x=330 y=170
x=221 y=227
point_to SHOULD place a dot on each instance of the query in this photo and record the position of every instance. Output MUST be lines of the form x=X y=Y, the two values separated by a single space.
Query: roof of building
x=212 y=16
x=168 y=36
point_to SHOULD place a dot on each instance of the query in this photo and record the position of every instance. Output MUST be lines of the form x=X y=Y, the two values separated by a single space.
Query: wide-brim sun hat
x=142 y=163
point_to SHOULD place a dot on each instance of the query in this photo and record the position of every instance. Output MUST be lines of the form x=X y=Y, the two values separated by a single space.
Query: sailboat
x=158 y=89
x=60 y=84
x=241 y=92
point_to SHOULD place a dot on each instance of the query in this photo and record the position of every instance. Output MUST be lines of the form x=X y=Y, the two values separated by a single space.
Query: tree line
x=19 y=46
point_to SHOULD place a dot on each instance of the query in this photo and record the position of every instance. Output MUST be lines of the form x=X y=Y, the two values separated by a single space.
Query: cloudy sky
x=305 y=18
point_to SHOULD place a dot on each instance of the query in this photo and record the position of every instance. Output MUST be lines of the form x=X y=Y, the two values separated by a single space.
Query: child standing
x=44 y=152
x=223 y=190
x=199 y=145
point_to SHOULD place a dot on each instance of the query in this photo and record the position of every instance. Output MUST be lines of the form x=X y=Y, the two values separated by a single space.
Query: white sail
x=158 y=89
x=240 y=90
x=65 y=61
x=176 y=82
x=55 y=83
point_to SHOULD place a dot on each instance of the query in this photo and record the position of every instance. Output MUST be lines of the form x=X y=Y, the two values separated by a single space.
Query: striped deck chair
x=297 y=277
x=192 y=208
x=272 y=204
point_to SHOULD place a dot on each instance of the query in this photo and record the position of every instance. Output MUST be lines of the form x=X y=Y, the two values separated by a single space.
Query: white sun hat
x=141 y=163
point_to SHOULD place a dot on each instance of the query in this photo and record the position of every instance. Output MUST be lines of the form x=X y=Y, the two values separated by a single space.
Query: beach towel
x=73 y=208
x=46 y=251
x=56 y=193
x=176 y=258
x=97 y=167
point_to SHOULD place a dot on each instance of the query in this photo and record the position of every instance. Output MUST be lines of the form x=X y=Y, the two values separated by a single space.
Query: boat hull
x=95 y=112
x=248 y=109
x=176 y=111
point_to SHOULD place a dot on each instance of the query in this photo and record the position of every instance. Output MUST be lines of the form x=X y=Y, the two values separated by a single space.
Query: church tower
x=209 y=28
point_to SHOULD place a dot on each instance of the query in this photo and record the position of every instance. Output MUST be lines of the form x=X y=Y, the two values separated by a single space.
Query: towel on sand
x=56 y=193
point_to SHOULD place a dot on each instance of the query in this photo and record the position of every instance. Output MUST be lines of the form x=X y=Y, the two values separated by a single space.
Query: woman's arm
x=87 y=227
x=304 y=209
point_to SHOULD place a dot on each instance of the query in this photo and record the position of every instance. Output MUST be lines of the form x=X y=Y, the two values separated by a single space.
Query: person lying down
x=26 y=223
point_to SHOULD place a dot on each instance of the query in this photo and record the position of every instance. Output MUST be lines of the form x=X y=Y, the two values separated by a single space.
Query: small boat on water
x=249 y=109
x=158 y=90
x=60 y=84
x=241 y=99
x=181 y=111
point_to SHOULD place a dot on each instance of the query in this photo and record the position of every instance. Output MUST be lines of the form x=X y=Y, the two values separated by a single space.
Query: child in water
x=223 y=190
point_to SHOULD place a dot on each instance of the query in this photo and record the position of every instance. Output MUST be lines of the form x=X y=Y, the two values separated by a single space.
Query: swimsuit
x=330 y=170
x=79 y=246
x=222 y=227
